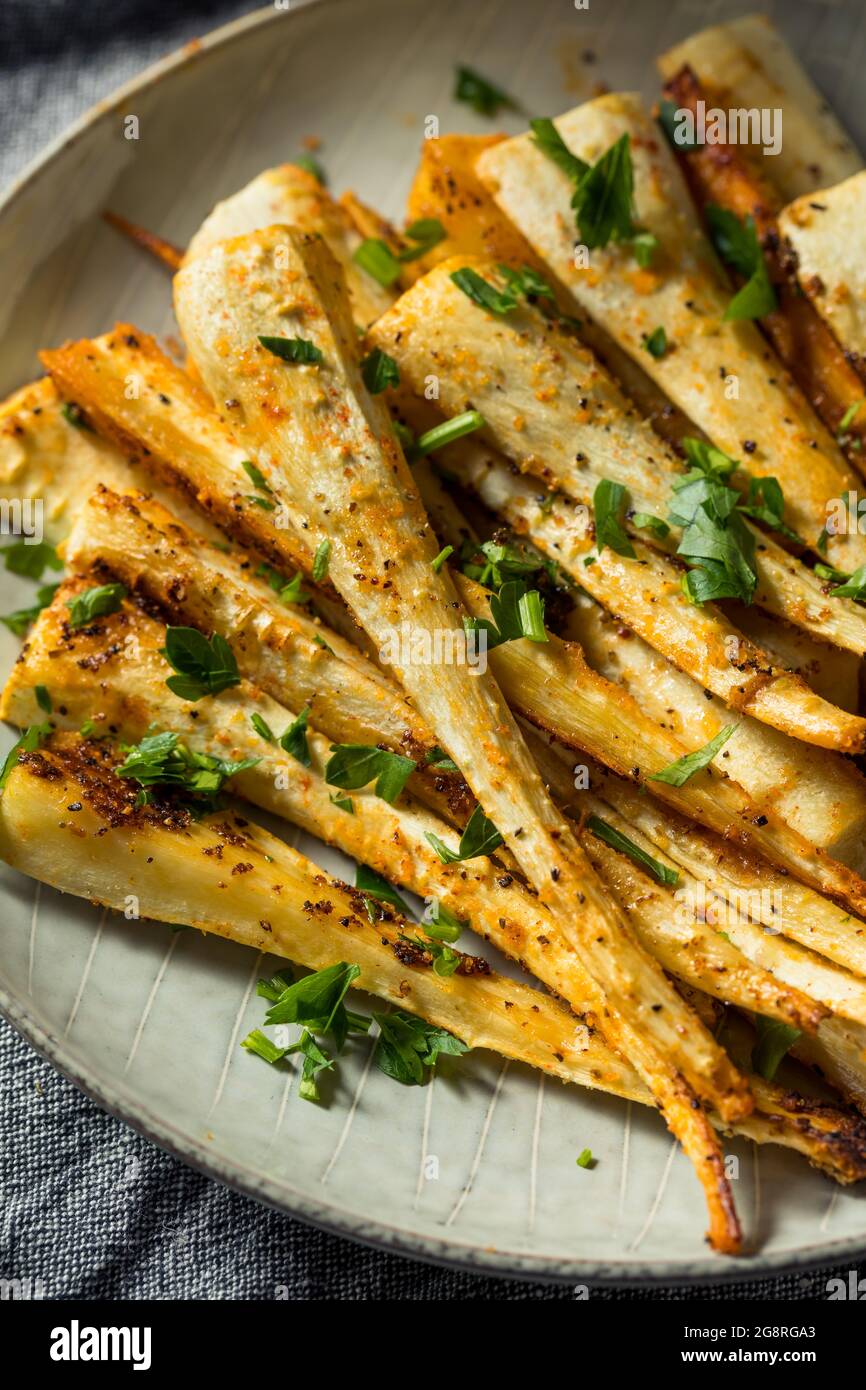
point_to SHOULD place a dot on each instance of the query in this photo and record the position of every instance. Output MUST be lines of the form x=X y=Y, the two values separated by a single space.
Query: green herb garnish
x=479 y=93
x=616 y=840
x=656 y=343
x=354 y=765
x=204 y=666
x=775 y=1040
x=293 y=349
x=379 y=371
x=294 y=740
x=608 y=503
x=737 y=244
x=95 y=603
x=676 y=774
x=479 y=839
x=29 y=741
x=408 y=1048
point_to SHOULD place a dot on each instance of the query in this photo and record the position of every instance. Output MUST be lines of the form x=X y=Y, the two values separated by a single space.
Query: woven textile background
x=86 y=1206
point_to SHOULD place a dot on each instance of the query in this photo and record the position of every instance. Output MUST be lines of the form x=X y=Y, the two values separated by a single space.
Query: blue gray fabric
x=88 y=1207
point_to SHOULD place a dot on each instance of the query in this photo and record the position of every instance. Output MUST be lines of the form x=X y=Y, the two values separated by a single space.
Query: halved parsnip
x=291 y=195
x=551 y=407
x=825 y=231
x=135 y=540
x=447 y=187
x=720 y=373
x=746 y=63
x=723 y=175
x=49 y=456
x=171 y=869
x=392 y=839
x=645 y=593
x=819 y=794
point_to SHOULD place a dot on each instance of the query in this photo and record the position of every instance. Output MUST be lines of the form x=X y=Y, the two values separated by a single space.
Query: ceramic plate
x=479 y=1167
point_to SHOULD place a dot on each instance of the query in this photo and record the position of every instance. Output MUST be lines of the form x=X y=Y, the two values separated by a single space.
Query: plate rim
x=327 y=1215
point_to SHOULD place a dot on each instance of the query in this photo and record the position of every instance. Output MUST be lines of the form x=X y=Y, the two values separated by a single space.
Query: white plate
x=149 y=1022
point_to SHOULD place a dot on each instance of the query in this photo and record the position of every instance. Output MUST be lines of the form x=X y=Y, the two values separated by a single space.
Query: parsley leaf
x=426 y=232
x=766 y=503
x=660 y=872
x=368 y=881
x=737 y=244
x=293 y=349
x=255 y=475
x=853 y=586
x=294 y=740
x=479 y=839
x=481 y=292
x=31 y=560
x=656 y=343
x=161 y=760
x=526 y=281
x=262 y=728
x=608 y=502
x=94 y=603
x=379 y=371
x=516 y=613
x=775 y=1039
x=321 y=560
x=27 y=743
x=19 y=620
x=408 y=1047
x=355 y=765
x=479 y=93
x=645 y=521
x=204 y=667
x=676 y=774
x=548 y=139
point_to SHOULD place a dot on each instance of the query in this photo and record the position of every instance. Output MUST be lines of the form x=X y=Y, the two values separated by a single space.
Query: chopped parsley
x=321 y=560
x=29 y=741
x=516 y=613
x=660 y=872
x=738 y=246
x=20 y=620
x=608 y=503
x=479 y=839
x=294 y=740
x=95 y=603
x=408 y=1048
x=31 y=560
x=368 y=881
x=43 y=697
x=293 y=350
x=775 y=1039
x=162 y=760
x=437 y=563
x=448 y=431
x=480 y=93
x=204 y=666
x=482 y=293
x=255 y=475
x=379 y=371
x=262 y=728
x=354 y=765
x=676 y=774
x=656 y=343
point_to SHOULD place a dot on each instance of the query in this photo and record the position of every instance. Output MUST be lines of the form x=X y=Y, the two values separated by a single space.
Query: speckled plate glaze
x=478 y=1168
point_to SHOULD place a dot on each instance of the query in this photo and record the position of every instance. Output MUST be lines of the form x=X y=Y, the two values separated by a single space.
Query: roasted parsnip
x=550 y=406
x=129 y=848
x=746 y=63
x=720 y=373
